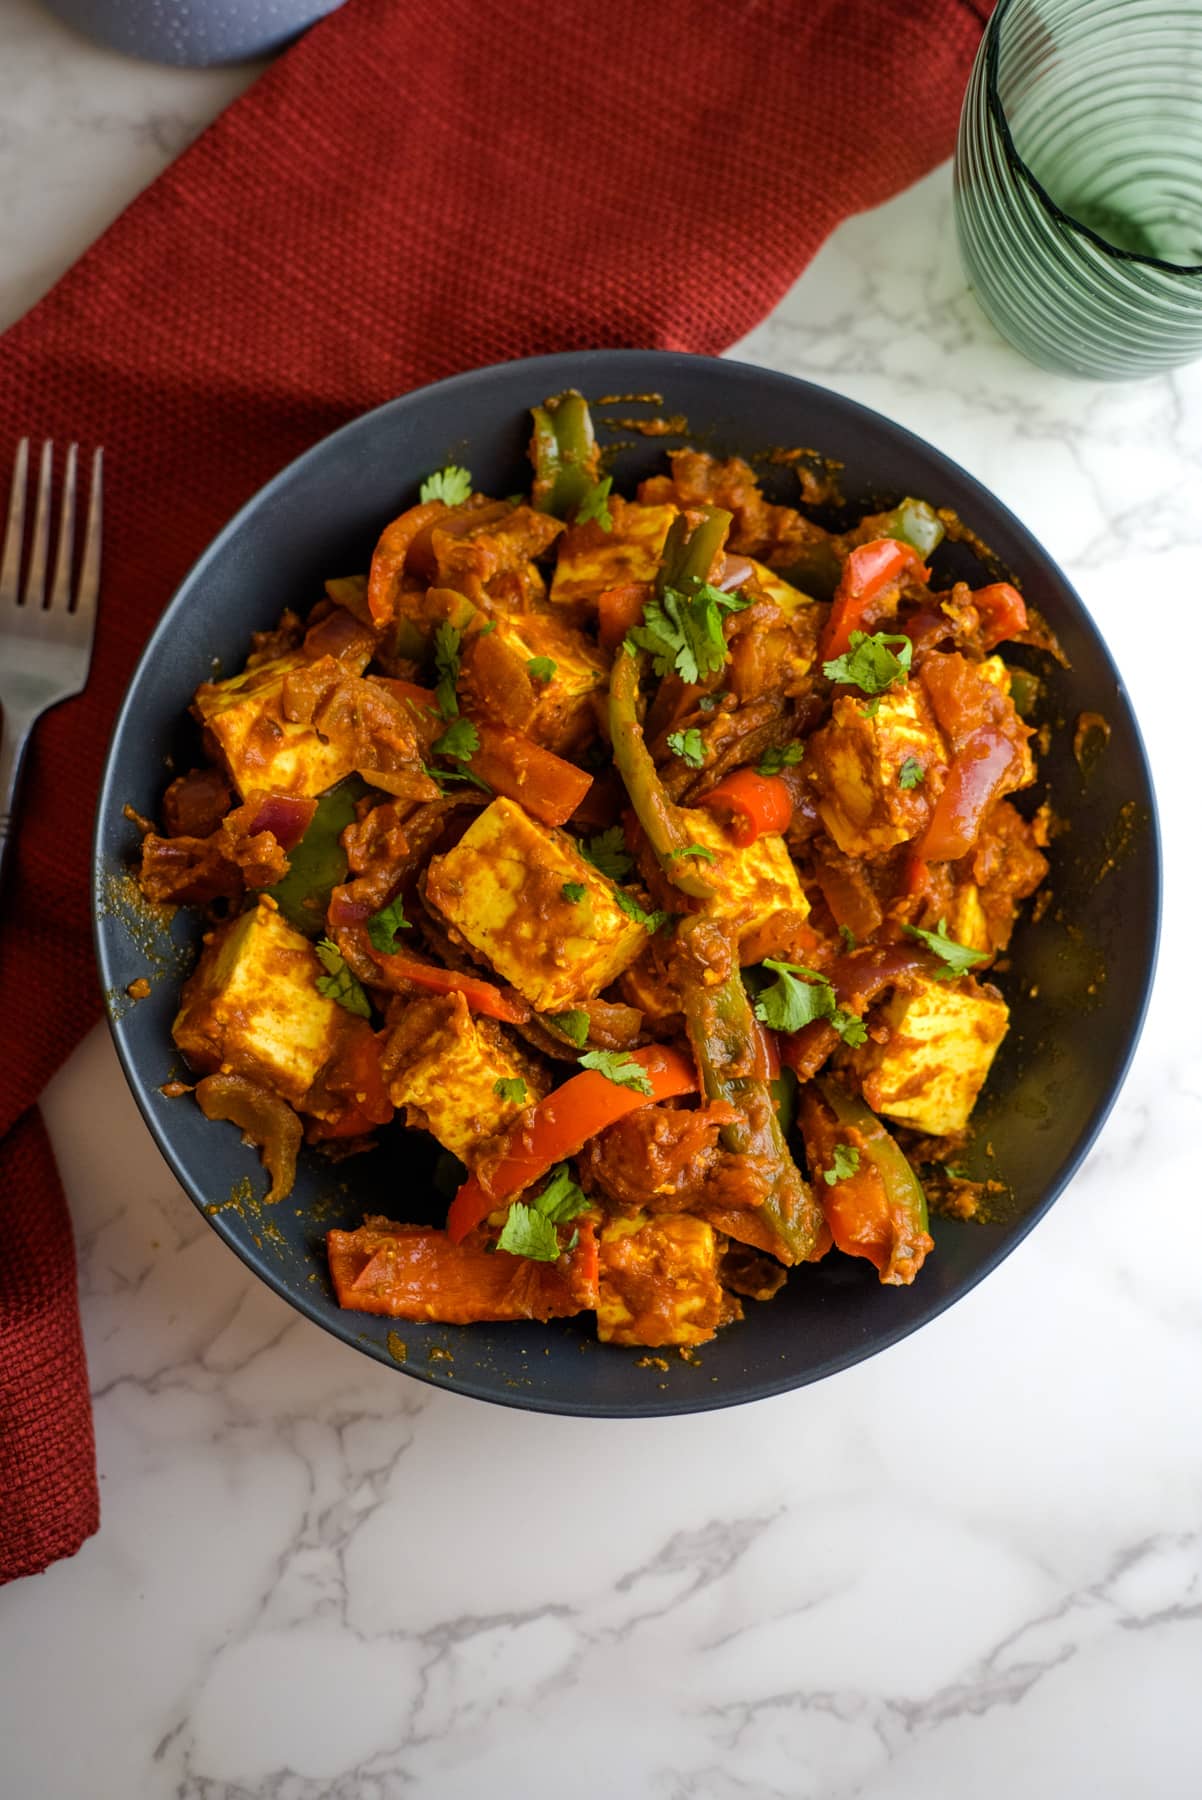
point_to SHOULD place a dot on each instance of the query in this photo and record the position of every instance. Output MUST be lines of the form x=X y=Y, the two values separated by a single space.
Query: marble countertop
x=971 y=1567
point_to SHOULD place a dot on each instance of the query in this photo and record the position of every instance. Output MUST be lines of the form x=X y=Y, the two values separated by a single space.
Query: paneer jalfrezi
x=649 y=853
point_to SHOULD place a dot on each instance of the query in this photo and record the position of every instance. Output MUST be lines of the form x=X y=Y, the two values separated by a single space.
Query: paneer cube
x=501 y=888
x=552 y=701
x=942 y=1042
x=775 y=587
x=592 y=559
x=751 y=885
x=966 y=921
x=856 y=760
x=251 y=1006
x=258 y=745
x=443 y=1065
x=659 y=1281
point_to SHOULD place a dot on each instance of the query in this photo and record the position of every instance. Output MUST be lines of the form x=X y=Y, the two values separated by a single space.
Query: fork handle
x=14 y=741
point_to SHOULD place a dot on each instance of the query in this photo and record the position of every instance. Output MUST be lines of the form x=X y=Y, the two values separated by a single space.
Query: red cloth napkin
x=413 y=190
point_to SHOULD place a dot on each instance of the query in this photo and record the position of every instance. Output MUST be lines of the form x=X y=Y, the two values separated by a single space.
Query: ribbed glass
x=1078 y=182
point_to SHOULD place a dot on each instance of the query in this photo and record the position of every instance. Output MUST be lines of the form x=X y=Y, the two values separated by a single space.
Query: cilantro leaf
x=959 y=959
x=773 y=761
x=447 y=643
x=452 y=484
x=688 y=745
x=799 y=996
x=562 y=1198
x=383 y=926
x=595 y=504
x=911 y=773
x=870 y=664
x=697 y=850
x=618 y=1067
x=845 y=1162
x=848 y=936
x=510 y=1088
x=460 y=741
x=607 y=852
x=541 y=668
x=527 y=1233
x=574 y=1026
x=631 y=907
x=441 y=776
x=682 y=630
x=709 y=703
x=573 y=891
x=338 y=983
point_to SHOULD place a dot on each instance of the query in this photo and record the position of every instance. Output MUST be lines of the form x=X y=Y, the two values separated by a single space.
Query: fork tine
x=10 y=567
x=35 y=575
x=60 y=589
x=89 y=568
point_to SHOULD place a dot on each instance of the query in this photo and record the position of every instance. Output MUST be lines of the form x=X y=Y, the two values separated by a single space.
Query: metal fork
x=45 y=644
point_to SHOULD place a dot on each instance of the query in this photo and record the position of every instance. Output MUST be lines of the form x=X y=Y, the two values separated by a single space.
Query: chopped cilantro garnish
x=529 y=1228
x=799 y=996
x=510 y=1088
x=709 y=703
x=848 y=936
x=338 y=983
x=383 y=926
x=870 y=664
x=773 y=761
x=688 y=745
x=683 y=630
x=618 y=1067
x=958 y=958
x=631 y=907
x=460 y=741
x=574 y=1026
x=595 y=504
x=845 y=1162
x=911 y=773
x=442 y=776
x=697 y=850
x=541 y=668
x=607 y=852
x=573 y=891
x=447 y=642
x=452 y=484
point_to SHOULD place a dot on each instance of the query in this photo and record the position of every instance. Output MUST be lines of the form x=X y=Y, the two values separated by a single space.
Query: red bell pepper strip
x=388 y=558
x=561 y=1125
x=512 y=764
x=416 y=1272
x=1003 y=614
x=867 y=572
x=756 y=804
x=619 y=609
x=879 y=1210
x=481 y=996
x=356 y=1080
x=976 y=778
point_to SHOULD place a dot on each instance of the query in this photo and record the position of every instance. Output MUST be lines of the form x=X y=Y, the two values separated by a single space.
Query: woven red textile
x=413 y=190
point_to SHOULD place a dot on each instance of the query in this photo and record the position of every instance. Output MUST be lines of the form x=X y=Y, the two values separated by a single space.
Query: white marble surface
x=950 y=1571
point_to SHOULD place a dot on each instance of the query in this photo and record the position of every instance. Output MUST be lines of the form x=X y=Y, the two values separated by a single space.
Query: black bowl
x=1078 y=981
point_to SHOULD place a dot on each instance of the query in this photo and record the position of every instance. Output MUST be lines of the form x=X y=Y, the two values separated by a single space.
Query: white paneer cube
x=942 y=1041
x=856 y=763
x=503 y=889
x=258 y=745
x=591 y=559
x=658 y=1281
x=443 y=1065
x=536 y=673
x=751 y=884
x=251 y=1006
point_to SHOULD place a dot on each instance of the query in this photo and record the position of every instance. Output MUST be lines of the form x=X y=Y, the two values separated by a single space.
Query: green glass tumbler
x=1078 y=182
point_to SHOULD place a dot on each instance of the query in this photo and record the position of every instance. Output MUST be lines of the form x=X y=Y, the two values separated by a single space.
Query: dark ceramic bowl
x=1090 y=960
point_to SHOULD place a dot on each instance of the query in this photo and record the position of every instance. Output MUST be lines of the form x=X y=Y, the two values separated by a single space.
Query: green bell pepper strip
x=564 y=452
x=915 y=523
x=666 y=825
x=318 y=863
x=897 y=1240
x=689 y=551
x=722 y=1028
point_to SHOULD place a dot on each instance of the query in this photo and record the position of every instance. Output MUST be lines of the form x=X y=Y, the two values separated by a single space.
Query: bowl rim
x=576 y=368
